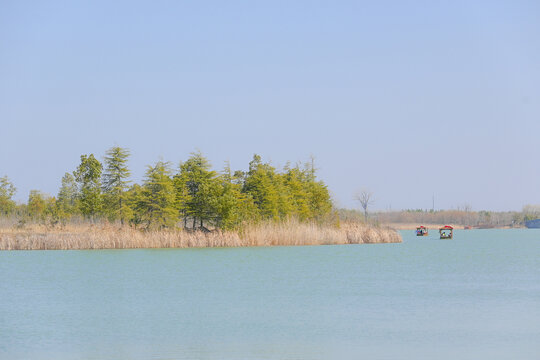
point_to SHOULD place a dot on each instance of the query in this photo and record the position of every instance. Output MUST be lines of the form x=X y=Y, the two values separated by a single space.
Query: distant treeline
x=457 y=217
x=192 y=196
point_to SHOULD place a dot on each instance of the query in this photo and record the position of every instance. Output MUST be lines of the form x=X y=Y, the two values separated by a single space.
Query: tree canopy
x=115 y=183
x=7 y=190
x=88 y=178
x=194 y=197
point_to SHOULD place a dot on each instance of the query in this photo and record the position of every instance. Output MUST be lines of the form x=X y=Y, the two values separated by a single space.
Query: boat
x=446 y=232
x=421 y=231
x=533 y=224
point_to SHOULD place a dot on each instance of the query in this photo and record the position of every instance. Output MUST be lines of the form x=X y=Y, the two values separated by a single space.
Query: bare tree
x=365 y=198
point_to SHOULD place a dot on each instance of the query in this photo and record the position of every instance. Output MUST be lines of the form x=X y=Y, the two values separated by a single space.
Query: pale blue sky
x=374 y=90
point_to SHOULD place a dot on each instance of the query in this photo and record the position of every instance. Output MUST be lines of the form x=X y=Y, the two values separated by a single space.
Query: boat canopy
x=447 y=227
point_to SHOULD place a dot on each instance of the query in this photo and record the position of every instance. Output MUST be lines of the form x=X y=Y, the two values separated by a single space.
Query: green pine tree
x=197 y=190
x=263 y=184
x=88 y=177
x=234 y=208
x=115 y=184
x=67 y=199
x=295 y=183
x=156 y=204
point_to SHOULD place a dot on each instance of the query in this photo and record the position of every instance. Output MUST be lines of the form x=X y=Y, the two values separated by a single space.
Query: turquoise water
x=474 y=297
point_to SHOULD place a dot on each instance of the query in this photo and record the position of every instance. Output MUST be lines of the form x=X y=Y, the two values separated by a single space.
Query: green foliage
x=264 y=185
x=88 y=177
x=294 y=193
x=115 y=184
x=155 y=202
x=196 y=197
x=530 y=212
x=297 y=188
x=320 y=203
x=309 y=198
x=67 y=202
x=197 y=190
x=7 y=190
x=134 y=199
x=37 y=204
x=205 y=199
x=234 y=208
x=40 y=207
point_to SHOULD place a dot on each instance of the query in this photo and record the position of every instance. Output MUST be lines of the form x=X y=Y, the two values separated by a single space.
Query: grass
x=106 y=236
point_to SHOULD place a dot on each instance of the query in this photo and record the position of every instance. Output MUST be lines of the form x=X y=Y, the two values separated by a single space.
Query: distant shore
x=87 y=236
x=408 y=226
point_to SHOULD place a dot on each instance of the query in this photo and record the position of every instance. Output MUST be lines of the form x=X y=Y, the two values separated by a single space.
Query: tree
x=365 y=197
x=293 y=192
x=134 y=199
x=37 y=204
x=115 y=183
x=181 y=195
x=197 y=190
x=7 y=190
x=310 y=198
x=67 y=202
x=263 y=184
x=295 y=182
x=88 y=176
x=233 y=208
x=531 y=212
x=320 y=202
x=156 y=200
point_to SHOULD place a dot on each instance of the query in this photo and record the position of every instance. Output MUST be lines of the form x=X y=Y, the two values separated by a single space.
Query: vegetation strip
x=192 y=197
x=38 y=237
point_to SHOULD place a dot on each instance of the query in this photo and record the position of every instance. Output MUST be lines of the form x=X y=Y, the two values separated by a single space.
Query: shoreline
x=431 y=227
x=87 y=237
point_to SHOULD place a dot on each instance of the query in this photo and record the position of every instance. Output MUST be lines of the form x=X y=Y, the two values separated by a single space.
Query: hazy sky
x=405 y=98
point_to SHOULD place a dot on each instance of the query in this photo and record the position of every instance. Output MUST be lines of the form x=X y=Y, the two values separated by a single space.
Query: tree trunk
x=121 y=215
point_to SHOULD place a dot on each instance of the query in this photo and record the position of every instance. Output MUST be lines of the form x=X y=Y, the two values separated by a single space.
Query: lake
x=474 y=297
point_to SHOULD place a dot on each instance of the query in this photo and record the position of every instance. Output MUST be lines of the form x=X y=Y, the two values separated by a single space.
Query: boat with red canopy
x=421 y=231
x=446 y=232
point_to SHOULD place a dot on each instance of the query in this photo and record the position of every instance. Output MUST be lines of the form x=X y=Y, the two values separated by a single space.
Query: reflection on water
x=477 y=296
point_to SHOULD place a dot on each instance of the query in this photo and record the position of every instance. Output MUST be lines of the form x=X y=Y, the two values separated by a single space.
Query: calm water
x=474 y=297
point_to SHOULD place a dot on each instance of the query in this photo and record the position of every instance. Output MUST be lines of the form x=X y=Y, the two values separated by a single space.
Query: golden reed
x=290 y=233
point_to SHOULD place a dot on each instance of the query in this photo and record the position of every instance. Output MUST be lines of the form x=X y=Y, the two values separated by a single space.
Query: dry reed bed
x=113 y=237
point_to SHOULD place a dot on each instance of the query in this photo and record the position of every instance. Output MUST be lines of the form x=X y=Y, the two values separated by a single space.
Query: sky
x=411 y=100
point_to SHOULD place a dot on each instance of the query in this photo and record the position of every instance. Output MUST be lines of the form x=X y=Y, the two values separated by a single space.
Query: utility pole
x=433 y=203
